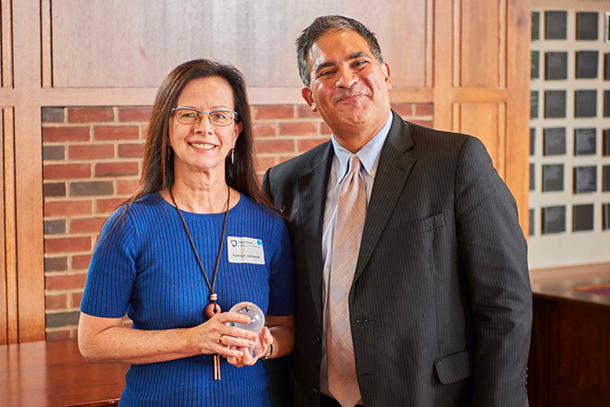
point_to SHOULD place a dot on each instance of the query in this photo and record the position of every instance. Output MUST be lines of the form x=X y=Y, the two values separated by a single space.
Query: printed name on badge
x=245 y=250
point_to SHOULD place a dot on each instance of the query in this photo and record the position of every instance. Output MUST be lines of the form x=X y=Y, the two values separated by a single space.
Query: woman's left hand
x=265 y=339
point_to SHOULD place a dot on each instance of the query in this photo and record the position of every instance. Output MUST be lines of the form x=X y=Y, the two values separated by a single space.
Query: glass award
x=257 y=321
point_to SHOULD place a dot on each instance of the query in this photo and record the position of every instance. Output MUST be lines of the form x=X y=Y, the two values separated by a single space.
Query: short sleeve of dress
x=112 y=270
x=281 y=288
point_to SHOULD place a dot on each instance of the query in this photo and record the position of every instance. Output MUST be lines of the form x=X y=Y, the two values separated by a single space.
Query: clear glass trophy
x=257 y=321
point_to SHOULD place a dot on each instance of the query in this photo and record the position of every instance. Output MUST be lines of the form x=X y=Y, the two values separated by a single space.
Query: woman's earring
x=232 y=156
x=169 y=153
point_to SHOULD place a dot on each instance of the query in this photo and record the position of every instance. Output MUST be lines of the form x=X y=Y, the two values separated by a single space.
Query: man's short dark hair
x=319 y=27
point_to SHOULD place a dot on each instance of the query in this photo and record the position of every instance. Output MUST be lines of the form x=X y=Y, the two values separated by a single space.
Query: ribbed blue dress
x=143 y=264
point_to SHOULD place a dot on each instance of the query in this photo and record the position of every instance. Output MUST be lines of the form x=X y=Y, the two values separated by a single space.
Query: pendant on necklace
x=212 y=308
x=216 y=367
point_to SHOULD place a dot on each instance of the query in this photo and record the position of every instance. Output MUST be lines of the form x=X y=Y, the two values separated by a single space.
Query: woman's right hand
x=215 y=336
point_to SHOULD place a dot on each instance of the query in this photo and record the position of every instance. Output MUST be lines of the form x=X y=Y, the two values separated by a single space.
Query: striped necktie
x=351 y=212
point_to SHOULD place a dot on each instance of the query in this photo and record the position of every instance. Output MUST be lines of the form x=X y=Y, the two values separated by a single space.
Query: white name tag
x=245 y=250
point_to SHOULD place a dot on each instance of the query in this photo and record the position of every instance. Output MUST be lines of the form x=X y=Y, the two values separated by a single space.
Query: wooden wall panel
x=46 y=44
x=4 y=277
x=575 y=351
x=517 y=65
x=9 y=248
x=405 y=39
x=26 y=238
x=579 y=355
x=136 y=44
x=6 y=49
x=8 y=283
x=484 y=47
x=569 y=362
x=482 y=120
x=480 y=42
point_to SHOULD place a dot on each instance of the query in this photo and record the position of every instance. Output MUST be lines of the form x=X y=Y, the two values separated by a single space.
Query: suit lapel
x=312 y=196
x=394 y=168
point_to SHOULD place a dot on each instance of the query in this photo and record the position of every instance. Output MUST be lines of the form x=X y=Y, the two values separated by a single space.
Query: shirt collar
x=368 y=154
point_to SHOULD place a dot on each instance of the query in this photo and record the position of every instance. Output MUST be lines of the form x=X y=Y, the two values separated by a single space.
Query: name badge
x=245 y=250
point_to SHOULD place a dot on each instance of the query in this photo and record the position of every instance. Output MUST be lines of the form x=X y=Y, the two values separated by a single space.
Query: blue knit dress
x=143 y=265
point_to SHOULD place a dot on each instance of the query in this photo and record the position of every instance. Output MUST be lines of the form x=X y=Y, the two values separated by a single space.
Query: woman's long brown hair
x=158 y=173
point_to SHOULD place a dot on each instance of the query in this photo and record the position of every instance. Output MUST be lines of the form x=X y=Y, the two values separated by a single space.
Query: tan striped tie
x=351 y=212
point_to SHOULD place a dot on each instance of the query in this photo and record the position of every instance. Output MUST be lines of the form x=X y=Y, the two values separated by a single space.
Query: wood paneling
x=406 y=42
x=23 y=198
x=6 y=49
x=581 y=334
x=569 y=363
x=481 y=87
x=136 y=44
x=470 y=59
x=483 y=119
x=517 y=64
x=3 y=281
x=8 y=249
x=481 y=40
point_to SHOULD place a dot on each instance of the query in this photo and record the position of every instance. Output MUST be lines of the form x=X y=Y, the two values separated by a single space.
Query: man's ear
x=385 y=68
x=308 y=96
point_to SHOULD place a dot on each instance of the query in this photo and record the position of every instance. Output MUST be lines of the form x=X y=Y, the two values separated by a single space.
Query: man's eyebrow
x=323 y=66
x=358 y=54
x=350 y=57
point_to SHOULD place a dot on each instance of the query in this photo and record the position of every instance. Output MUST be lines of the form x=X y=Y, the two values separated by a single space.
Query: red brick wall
x=92 y=162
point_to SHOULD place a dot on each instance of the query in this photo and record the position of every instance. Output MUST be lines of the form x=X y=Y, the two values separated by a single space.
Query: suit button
x=315 y=391
x=318 y=339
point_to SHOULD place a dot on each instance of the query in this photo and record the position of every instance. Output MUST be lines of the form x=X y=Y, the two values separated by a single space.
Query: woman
x=196 y=238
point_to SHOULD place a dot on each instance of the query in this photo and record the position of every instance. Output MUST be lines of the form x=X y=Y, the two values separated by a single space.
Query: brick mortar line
x=49 y=125
x=81 y=198
x=292 y=137
x=70 y=256
x=59 y=312
x=85 y=143
x=93 y=177
x=289 y=120
x=64 y=291
x=63 y=274
x=118 y=160
x=300 y=119
x=70 y=234
x=60 y=328
x=70 y=217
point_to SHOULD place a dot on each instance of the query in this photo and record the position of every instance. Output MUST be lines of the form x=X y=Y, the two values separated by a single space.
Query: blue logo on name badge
x=258 y=242
x=233 y=242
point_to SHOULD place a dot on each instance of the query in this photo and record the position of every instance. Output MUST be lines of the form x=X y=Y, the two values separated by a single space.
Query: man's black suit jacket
x=440 y=305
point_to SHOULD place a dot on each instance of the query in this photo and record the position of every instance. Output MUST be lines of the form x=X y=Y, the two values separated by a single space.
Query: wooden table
x=45 y=374
x=569 y=364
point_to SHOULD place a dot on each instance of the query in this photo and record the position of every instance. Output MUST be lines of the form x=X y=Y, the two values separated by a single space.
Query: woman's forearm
x=282 y=329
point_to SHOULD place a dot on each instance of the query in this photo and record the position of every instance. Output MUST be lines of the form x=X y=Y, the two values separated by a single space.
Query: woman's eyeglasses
x=191 y=116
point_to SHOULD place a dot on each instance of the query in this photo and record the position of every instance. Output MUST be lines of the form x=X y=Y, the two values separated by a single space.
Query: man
x=439 y=302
